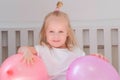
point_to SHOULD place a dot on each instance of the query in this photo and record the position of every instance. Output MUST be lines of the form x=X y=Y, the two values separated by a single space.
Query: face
x=56 y=33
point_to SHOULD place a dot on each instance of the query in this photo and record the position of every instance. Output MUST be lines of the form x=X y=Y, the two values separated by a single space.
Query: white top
x=57 y=60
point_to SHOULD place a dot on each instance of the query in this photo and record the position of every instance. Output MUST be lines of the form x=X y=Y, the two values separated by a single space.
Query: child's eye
x=51 y=31
x=61 y=31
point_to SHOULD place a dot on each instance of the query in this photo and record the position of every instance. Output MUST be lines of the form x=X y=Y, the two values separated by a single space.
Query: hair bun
x=59 y=5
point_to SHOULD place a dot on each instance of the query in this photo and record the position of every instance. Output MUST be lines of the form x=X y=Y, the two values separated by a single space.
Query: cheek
x=64 y=38
x=48 y=37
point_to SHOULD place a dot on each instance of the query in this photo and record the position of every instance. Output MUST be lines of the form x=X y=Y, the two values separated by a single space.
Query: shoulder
x=39 y=46
x=41 y=49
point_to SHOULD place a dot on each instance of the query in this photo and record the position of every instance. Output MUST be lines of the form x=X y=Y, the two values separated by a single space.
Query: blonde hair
x=70 y=41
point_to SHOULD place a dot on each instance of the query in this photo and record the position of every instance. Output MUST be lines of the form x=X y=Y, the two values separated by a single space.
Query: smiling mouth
x=56 y=40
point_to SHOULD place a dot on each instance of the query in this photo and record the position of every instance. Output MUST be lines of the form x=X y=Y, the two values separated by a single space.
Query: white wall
x=93 y=9
x=35 y=10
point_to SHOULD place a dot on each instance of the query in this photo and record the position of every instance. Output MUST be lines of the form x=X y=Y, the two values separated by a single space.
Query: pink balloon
x=13 y=68
x=91 y=68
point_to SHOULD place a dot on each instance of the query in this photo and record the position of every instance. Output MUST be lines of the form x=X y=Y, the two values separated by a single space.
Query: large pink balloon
x=91 y=68
x=13 y=68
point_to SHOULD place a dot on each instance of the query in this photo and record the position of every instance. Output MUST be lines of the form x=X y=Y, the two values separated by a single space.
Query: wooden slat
x=4 y=36
x=107 y=43
x=36 y=36
x=93 y=40
x=0 y=47
x=23 y=37
x=119 y=49
x=11 y=42
x=79 y=36
x=86 y=41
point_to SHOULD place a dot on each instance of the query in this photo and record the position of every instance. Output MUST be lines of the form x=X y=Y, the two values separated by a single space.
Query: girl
x=57 y=48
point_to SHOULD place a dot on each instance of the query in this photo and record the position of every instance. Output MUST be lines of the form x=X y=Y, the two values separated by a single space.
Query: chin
x=59 y=46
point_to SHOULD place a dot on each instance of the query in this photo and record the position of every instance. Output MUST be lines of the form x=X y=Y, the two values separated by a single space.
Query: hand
x=28 y=56
x=100 y=56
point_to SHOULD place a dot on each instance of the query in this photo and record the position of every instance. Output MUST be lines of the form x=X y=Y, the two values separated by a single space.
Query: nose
x=56 y=35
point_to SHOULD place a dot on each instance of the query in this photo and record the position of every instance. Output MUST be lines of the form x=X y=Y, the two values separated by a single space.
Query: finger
x=102 y=57
x=30 y=61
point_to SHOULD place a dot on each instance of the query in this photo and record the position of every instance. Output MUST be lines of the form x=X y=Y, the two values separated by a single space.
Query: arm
x=27 y=49
x=32 y=49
